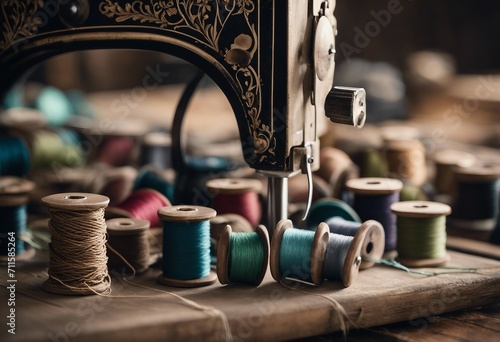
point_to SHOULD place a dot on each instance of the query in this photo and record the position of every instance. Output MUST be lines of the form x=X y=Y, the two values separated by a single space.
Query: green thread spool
x=243 y=257
x=421 y=230
x=60 y=148
x=186 y=246
x=297 y=253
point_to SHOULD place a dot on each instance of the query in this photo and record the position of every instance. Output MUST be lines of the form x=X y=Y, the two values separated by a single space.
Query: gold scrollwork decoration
x=18 y=20
x=205 y=21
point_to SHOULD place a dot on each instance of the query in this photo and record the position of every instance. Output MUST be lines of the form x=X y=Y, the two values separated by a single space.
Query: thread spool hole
x=125 y=223
x=186 y=209
x=75 y=197
x=421 y=206
x=369 y=247
x=373 y=183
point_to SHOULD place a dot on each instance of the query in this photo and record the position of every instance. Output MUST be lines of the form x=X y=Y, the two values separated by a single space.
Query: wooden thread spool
x=129 y=240
x=446 y=161
x=80 y=237
x=218 y=224
x=14 y=195
x=182 y=225
x=243 y=255
x=372 y=200
x=311 y=268
x=22 y=120
x=373 y=243
x=336 y=168
x=425 y=240
x=406 y=161
x=476 y=205
x=237 y=196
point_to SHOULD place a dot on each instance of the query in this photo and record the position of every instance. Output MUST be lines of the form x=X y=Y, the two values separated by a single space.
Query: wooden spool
x=119 y=231
x=187 y=213
x=353 y=259
x=22 y=119
x=374 y=186
x=446 y=161
x=373 y=244
x=218 y=224
x=421 y=209
x=237 y=186
x=75 y=201
x=317 y=251
x=406 y=161
x=15 y=192
x=223 y=254
x=476 y=174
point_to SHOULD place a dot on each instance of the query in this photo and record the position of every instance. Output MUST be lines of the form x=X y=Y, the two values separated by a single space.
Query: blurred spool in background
x=237 y=196
x=156 y=150
x=446 y=161
x=406 y=161
x=141 y=204
x=14 y=196
x=476 y=207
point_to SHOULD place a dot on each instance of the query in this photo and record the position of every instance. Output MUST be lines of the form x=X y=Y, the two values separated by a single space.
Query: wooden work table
x=379 y=296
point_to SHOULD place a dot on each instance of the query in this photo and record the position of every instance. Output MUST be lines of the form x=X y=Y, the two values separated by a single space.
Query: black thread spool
x=156 y=150
x=14 y=195
x=129 y=238
x=475 y=209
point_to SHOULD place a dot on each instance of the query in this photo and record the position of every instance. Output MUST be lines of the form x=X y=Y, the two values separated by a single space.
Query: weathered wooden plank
x=271 y=311
x=473 y=247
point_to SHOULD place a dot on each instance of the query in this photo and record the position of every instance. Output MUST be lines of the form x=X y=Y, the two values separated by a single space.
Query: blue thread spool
x=186 y=246
x=14 y=194
x=372 y=201
x=373 y=237
x=298 y=253
x=254 y=246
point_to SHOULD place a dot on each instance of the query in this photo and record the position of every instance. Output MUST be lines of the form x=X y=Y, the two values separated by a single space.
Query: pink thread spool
x=141 y=204
x=237 y=196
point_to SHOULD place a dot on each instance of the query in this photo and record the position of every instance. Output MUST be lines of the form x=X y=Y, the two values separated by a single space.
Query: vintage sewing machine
x=273 y=59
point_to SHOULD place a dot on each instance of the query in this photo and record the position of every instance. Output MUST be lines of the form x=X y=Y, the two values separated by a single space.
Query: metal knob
x=347 y=106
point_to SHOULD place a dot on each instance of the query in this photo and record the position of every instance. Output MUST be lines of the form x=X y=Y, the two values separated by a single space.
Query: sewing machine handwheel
x=324 y=48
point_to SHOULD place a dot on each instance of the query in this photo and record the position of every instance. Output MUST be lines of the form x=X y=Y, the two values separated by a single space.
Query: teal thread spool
x=186 y=246
x=421 y=229
x=243 y=257
x=15 y=157
x=298 y=253
x=148 y=179
x=14 y=195
x=327 y=208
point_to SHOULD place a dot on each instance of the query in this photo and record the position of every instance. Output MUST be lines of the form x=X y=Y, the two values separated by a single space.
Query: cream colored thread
x=341 y=314
x=78 y=258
